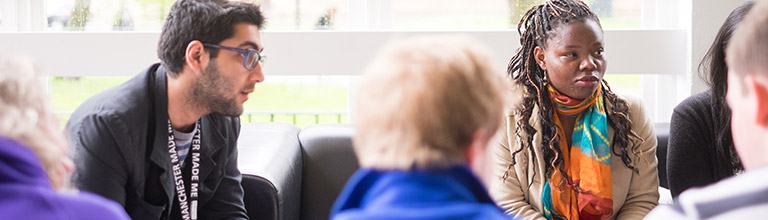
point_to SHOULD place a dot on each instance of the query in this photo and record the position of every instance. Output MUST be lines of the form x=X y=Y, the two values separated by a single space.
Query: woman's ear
x=195 y=55
x=538 y=54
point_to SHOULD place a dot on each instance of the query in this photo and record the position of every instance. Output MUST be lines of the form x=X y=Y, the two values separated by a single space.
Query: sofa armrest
x=261 y=198
x=662 y=136
x=329 y=161
x=271 y=151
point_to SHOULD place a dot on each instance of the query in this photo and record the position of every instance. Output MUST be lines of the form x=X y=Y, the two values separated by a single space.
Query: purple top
x=27 y=193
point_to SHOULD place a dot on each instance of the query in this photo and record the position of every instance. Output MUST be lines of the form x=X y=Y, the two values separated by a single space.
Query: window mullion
x=37 y=15
x=10 y=17
x=370 y=14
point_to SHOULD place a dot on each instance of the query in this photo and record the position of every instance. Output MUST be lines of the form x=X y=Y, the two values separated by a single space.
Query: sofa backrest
x=329 y=161
x=308 y=168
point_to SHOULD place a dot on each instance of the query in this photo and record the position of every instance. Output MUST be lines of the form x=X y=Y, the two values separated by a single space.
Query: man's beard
x=211 y=91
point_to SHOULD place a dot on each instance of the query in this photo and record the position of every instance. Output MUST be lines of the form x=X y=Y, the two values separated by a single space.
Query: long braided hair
x=535 y=28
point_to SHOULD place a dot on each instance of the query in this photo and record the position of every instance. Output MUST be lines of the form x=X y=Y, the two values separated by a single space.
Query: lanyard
x=188 y=206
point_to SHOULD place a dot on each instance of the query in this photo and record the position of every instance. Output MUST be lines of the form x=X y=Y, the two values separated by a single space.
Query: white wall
x=707 y=17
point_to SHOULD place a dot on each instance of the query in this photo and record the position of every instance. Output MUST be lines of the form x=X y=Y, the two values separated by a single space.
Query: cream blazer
x=634 y=194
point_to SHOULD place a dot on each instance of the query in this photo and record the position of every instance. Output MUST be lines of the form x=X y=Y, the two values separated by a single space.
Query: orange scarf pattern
x=588 y=192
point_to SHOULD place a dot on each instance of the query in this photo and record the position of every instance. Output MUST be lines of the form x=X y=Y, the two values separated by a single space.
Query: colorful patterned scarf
x=588 y=194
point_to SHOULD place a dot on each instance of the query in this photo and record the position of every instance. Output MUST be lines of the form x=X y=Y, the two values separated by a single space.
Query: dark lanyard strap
x=188 y=207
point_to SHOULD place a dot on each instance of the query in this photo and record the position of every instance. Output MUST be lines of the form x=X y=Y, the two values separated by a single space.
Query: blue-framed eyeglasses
x=251 y=57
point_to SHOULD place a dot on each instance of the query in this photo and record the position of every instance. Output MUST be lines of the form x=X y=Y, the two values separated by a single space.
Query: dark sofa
x=290 y=173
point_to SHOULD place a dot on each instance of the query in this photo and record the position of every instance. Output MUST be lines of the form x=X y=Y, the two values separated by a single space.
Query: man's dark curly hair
x=208 y=21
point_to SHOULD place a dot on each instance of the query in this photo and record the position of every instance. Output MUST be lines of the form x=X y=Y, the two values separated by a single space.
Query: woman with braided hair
x=573 y=149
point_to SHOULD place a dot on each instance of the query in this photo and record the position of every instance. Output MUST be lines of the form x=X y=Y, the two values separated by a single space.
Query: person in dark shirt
x=744 y=196
x=700 y=150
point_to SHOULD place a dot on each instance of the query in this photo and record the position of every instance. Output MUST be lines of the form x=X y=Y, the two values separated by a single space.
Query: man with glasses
x=163 y=144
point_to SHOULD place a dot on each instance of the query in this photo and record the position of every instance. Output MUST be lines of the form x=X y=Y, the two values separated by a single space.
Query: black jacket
x=692 y=158
x=120 y=140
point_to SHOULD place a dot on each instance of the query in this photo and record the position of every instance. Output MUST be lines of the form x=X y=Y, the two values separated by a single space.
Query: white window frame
x=23 y=15
x=318 y=52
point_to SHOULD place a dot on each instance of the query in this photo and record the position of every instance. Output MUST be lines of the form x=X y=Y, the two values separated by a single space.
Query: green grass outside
x=68 y=93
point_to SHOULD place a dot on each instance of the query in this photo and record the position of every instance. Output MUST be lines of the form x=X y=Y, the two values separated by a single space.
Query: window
x=306 y=15
x=149 y=15
x=451 y=14
x=68 y=92
x=106 y=15
x=301 y=100
x=321 y=43
x=499 y=14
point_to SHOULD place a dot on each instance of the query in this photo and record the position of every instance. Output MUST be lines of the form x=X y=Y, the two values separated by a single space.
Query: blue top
x=453 y=193
x=27 y=193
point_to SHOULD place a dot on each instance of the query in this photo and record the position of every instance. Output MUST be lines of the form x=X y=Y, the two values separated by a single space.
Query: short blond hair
x=748 y=48
x=26 y=116
x=421 y=100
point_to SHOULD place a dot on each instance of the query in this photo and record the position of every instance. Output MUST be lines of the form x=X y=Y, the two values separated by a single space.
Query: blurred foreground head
x=747 y=96
x=424 y=101
x=26 y=117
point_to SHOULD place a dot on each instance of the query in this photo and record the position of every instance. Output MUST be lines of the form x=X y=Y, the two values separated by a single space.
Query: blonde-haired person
x=426 y=109
x=34 y=167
